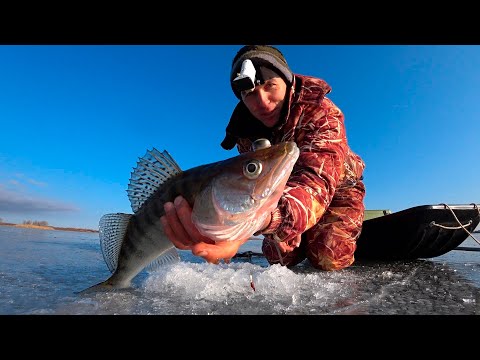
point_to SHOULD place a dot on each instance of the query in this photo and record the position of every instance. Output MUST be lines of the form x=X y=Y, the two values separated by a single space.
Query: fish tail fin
x=97 y=287
x=105 y=286
x=112 y=230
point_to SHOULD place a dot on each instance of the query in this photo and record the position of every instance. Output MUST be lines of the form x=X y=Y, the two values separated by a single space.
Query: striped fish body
x=230 y=201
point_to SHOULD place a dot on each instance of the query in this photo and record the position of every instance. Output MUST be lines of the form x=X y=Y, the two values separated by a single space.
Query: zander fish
x=230 y=200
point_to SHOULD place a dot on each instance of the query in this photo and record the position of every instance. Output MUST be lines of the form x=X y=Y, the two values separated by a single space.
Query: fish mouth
x=228 y=225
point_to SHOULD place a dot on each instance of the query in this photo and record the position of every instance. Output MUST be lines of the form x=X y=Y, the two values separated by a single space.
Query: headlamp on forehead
x=245 y=80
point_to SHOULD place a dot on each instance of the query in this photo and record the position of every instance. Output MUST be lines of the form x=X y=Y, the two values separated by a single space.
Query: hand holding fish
x=179 y=228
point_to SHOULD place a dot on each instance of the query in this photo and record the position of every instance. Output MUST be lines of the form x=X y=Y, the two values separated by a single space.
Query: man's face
x=265 y=101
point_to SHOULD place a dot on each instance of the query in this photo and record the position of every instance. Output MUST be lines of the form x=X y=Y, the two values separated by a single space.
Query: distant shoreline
x=49 y=227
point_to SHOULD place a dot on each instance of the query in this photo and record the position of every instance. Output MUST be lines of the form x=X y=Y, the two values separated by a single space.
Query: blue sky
x=75 y=118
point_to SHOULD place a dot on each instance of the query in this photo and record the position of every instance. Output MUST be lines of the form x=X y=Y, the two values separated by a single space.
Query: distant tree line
x=35 y=222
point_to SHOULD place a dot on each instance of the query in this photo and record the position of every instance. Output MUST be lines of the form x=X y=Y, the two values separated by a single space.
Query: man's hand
x=179 y=228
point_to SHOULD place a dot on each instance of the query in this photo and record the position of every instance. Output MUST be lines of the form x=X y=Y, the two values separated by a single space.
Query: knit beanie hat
x=263 y=57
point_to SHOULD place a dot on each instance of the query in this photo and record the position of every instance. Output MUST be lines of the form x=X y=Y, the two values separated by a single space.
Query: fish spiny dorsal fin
x=152 y=171
x=112 y=229
x=169 y=257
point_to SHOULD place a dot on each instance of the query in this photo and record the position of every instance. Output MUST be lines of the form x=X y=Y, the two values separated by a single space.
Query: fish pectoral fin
x=169 y=257
x=112 y=229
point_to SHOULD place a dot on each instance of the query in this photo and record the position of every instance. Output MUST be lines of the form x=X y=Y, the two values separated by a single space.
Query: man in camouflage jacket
x=321 y=211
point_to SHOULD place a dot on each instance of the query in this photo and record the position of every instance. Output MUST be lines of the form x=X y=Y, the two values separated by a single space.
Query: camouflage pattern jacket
x=326 y=162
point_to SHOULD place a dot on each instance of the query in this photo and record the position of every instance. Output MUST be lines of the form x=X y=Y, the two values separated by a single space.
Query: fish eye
x=252 y=169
